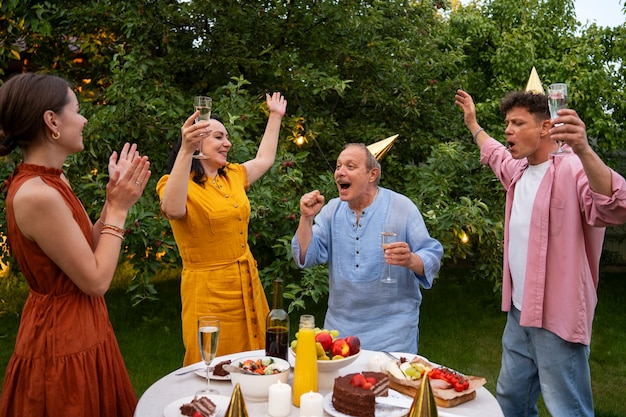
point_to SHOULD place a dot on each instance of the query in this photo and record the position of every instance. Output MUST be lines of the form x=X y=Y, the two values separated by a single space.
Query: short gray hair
x=370 y=160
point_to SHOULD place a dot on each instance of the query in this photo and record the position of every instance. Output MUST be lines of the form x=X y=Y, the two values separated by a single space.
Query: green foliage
x=352 y=71
x=13 y=293
x=455 y=193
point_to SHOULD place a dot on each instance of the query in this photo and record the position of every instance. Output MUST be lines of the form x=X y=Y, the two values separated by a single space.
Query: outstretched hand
x=466 y=103
x=276 y=103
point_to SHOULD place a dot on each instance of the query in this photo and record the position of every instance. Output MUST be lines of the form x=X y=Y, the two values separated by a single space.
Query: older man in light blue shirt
x=346 y=233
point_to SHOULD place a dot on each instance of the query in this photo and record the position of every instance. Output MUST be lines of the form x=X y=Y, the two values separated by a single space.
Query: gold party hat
x=380 y=148
x=534 y=83
x=424 y=403
x=237 y=406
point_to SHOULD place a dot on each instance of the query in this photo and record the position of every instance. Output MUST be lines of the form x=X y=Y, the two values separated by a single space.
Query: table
x=173 y=387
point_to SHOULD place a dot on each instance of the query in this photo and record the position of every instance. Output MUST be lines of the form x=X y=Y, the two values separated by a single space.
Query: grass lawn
x=460 y=327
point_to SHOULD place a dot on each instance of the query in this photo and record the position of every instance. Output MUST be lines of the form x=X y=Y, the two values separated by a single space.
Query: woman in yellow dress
x=206 y=203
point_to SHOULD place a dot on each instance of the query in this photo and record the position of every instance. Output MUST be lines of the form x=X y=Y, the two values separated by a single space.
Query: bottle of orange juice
x=305 y=368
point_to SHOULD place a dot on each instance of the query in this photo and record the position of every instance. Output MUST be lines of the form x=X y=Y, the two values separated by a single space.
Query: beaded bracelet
x=112 y=233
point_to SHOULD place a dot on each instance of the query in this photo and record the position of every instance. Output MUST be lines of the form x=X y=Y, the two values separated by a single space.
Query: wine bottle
x=277 y=326
x=305 y=368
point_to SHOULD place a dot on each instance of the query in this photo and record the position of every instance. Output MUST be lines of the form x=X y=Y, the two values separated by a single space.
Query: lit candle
x=311 y=404
x=279 y=400
x=377 y=364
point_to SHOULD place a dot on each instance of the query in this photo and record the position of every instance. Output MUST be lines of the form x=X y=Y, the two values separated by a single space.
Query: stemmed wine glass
x=388 y=236
x=557 y=100
x=203 y=105
x=208 y=335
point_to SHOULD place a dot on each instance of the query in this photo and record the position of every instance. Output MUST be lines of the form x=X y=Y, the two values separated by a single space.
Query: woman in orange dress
x=206 y=203
x=66 y=360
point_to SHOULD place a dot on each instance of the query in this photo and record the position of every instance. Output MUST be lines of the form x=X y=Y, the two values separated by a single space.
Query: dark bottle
x=277 y=326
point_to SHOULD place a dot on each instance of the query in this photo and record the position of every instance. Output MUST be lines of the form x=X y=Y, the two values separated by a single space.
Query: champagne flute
x=388 y=236
x=557 y=100
x=208 y=335
x=203 y=105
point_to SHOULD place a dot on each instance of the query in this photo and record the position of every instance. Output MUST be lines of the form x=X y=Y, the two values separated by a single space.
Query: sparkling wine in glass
x=208 y=336
x=203 y=105
x=388 y=236
x=557 y=100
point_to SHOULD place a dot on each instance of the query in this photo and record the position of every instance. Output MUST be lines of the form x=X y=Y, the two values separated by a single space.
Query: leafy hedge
x=352 y=71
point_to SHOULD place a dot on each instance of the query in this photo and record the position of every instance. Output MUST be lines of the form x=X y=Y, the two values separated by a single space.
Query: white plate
x=380 y=411
x=221 y=401
x=202 y=373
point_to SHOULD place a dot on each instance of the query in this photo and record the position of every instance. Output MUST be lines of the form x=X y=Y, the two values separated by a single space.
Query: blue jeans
x=536 y=361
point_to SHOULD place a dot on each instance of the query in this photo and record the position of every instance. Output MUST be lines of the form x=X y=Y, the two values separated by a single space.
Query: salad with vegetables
x=265 y=366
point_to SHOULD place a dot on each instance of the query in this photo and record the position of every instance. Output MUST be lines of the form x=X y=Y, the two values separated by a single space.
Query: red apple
x=325 y=340
x=340 y=348
x=354 y=343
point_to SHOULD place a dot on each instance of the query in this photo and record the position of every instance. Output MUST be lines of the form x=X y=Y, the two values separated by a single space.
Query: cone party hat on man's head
x=534 y=83
x=380 y=148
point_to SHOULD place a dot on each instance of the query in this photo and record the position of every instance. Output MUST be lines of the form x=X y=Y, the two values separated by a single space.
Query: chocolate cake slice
x=202 y=405
x=355 y=394
x=219 y=368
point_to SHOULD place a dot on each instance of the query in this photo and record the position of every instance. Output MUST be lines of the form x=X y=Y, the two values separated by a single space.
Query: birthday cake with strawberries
x=355 y=394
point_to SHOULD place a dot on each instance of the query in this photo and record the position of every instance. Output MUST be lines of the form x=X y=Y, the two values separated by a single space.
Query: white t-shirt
x=519 y=226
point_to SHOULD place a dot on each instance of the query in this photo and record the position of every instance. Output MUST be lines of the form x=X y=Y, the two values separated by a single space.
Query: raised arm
x=466 y=103
x=310 y=204
x=277 y=106
x=174 y=198
x=570 y=128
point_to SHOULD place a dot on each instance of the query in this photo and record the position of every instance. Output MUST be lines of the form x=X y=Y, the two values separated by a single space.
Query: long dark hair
x=199 y=176
x=24 y=98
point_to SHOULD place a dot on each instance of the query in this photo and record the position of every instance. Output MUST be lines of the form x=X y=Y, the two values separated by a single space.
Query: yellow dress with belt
x=220 y=275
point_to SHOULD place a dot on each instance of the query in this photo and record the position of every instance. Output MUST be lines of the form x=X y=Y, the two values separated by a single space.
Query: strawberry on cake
x=355 y=394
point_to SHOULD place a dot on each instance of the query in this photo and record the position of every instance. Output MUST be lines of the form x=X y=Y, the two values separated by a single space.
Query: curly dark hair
x=536 y=104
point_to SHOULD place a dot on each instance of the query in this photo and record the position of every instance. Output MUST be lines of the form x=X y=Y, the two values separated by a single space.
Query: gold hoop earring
x=56 y=135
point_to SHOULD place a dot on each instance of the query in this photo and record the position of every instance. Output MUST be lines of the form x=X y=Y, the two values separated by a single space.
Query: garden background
x=352 y=71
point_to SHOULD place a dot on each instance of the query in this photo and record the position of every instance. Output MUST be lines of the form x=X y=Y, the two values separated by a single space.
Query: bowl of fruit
x=333 y=352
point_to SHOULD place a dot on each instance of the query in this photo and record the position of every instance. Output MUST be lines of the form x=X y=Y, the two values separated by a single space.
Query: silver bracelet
x=477 y=132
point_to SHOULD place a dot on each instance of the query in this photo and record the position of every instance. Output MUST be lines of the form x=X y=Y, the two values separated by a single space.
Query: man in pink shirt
x=557 y=208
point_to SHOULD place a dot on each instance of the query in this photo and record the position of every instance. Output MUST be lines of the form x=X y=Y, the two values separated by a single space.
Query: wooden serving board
x=441 y=402
x=443 y=397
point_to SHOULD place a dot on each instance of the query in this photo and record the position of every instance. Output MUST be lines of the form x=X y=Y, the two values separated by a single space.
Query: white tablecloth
x=173 y=387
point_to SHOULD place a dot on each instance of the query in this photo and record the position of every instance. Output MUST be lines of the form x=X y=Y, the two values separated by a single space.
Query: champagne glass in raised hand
x=208 y=335
x=203 y=105
x=557 y=100
x=388 y=236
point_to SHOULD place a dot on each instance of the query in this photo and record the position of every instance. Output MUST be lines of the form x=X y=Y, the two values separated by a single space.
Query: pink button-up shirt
x=565 y=242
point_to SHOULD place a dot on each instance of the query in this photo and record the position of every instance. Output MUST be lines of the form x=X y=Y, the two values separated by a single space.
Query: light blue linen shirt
x=383 y=316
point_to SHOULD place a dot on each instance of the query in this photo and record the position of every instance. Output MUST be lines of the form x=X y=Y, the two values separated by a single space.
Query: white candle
x=279 y=400
x=377 y=364
x=311 y=404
